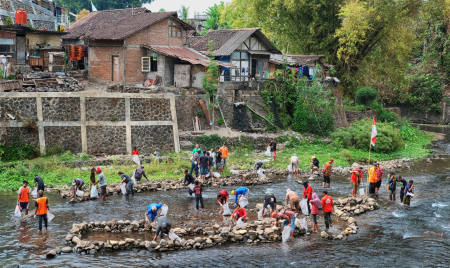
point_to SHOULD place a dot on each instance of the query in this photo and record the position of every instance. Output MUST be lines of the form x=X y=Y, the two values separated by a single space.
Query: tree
x=213 y=16
x=82 y=13
x=184 y=13
x=162 y=10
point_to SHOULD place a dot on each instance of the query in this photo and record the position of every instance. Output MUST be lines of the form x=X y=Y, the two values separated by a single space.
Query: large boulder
x=324 y=235
x=51 y=254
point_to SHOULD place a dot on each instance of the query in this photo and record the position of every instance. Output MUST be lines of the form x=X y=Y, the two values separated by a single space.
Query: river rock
x=51 y=254
x=68 y=238
x=129 y=240
x=76 y=240
x=114 y=242
x=324 y=235
x=66 y=250
x=107 y=228
x=163 y=242
x=268 y=231
x=153 y=244
x=121 y=243
x=198 y=240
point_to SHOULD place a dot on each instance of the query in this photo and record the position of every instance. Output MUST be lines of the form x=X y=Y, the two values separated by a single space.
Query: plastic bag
x=174 y=236
x=260 y=215
x=50 y=216
x=286 y=234
x=134 y=181
x=304 y=206
x=34 y=192
x=136 y=160
x=123 y=188
x=268 y=152
x=94 y=192
x=164 y=210
x=260 y=173
x=243 y=202
x=240 y=223
x=191 y=186
x=289 y=167
x=80 y=193
x=361 y=191
x=17 y=212
x=226 y=210
x=216 y=175
x=303 y=224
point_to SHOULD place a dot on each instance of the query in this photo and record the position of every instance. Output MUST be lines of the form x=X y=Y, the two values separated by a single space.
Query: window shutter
x=145 y=61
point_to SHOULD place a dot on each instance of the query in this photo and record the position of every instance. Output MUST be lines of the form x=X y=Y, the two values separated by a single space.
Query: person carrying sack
x=391 y=186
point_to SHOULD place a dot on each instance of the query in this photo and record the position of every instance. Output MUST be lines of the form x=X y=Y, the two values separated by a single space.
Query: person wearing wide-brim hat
x=314 y=164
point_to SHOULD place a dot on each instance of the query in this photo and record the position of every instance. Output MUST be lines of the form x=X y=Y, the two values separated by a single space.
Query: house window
x=241 y=71
x=145 y=61
x=174 y=30
x=154 y=64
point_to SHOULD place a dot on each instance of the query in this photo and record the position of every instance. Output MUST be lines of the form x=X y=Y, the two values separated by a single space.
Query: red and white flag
x=374 y=133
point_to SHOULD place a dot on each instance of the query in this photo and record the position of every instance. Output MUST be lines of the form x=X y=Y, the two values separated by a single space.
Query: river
x=391 y=237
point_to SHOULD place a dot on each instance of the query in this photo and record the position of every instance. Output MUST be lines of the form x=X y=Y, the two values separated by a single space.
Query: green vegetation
x=366 y=95
x=18 y=151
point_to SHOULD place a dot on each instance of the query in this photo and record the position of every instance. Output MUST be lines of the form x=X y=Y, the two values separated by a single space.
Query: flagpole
x=368 y=168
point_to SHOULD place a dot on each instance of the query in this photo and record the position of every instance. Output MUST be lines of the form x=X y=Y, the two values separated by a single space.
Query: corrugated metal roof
x=118 y=24
x=227 y=41
x=184 y=53
x=304 y=59
x=281 y=59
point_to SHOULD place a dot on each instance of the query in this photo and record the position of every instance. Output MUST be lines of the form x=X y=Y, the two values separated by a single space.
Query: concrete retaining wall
x=109 y=123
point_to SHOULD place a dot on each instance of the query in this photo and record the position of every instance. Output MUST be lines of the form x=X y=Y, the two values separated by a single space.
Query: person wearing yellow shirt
x=372 y=179
x=224 y=151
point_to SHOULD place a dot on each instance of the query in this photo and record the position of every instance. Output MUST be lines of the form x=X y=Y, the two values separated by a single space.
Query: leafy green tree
x=184 y=13
x=213 y=18
x=162 y=10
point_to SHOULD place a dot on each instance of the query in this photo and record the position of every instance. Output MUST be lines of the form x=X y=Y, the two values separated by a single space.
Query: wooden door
x=115 y=68
x=21 y=49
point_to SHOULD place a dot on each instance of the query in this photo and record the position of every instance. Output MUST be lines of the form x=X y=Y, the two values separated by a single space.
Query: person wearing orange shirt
x=24 y=197
x=373 y=179
x=239 y=214
x=41 y=209
x=224 y=151
x=356 y=178
x=327 y=204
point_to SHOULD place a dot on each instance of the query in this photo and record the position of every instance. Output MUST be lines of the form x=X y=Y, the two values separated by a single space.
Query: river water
x=391 y=237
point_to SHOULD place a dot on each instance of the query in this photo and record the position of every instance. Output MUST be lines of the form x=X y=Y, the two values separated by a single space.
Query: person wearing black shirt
x=189 y=180
x=203 y=165
x=273 y=149
x=402 y=189
x=270 y=200
x=39 y=182
x=314 y=164
x=211 y=164
x=128 y=182
x=218 y=160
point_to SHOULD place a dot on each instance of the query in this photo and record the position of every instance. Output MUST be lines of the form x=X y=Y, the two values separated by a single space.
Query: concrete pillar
x=128 y=125
x=83 y=124
x=173 y=111
x=40 y=124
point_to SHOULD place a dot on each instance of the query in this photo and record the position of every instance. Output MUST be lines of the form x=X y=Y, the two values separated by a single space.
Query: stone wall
x=421 y=117
x=110 y=123
x=352 y=116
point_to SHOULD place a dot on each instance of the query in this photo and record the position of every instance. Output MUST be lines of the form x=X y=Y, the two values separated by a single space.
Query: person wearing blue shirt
x=409 y=189
x=242 y=191
x=153 y=211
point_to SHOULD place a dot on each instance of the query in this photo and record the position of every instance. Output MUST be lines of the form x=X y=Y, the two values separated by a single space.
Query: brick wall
x=133 y=66
x=157 y=33
x=100 y=60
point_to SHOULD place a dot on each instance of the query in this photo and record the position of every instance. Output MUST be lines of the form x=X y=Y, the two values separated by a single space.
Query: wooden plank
x=205 y=111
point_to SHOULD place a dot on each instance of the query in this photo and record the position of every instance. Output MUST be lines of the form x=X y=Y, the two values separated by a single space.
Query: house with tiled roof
x=248 y=50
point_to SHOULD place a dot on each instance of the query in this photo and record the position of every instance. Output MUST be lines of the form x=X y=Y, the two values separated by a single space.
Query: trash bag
x=174 y=236
x=289 y=167
x=216 y=175
x=268 y=152
x=303 y=224
x=286 y=235
x=94 y=192
x=260 y=173
x=34 y=192
x=226 y=210
x=243 y=202
x=18 y=212
x=123 y=188
x=136 y=160
x=304 y=206
x=164 y=210
x=80 y=193
x=191 y=188
x=50 y=216
x=361 y=191
x=134 y=181
x=260 y=215
x=240 y=223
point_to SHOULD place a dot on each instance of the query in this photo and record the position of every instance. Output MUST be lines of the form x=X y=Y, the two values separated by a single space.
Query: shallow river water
x=391 y=237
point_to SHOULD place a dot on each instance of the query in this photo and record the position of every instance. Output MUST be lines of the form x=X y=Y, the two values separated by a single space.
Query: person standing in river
x=293 y=199
x=241 y=191
x=327 y=173
x=285 y=215
x=152 y=211
x=77 y=185
x=188 y=180
x=327 y=204
x=315 y=205
x=273 y=149
x=41 y=209
x=164 y=226
x=356 y=179
x=408 y=191
x=380 y=172
x=39 y=182
x=128 y=182
x=269 y=201
x=224 y=151
x=198 y=196
x=402 y=189
x=222 y=199
x=307 y=193
x=203 y=165
x=392 y=185
x=372 y=180
x=195 y=160
x=102 y=181
x=23 y=198
x=294 y=163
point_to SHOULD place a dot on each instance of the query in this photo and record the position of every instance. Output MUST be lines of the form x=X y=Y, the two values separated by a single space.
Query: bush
x=55 y=150
x=366 y=95
x=358 y=135
x=19 y=151
x=211 y=141
x=293 y=142
x=345 y=154
x=384 y=115
x=220 y=122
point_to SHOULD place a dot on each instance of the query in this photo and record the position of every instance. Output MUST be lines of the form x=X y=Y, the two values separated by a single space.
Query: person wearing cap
x=294 y=163
x=307 y=193
x=139 y=173
x=327 y=204
x=222 y=198
x=269 y=201
x=380 y=172
x=239 y=214
x=241 y=191
x=76 y=185
x=327 y=173
x=102 y=181
x=293 y=199
x=356 y=179
x=314 y=164
x=372 y=179
x=164 y=226
x=128 y=182
x=224 y=151
x=285 y=215
x=273 y=149
x=152 y=211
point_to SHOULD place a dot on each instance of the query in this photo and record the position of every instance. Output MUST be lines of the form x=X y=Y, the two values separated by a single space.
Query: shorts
x=326 y=179
x=23 y=205
x=293 y=223
x=271 y=204
x=295 y=204
x=314 y=218
x=211 y=169
x=238 y=217
x=274 y=153
x=41 y=188
x=224 y=162
x=294 y=166
x=219 y=165
x=203 y=170
x=355 y=185
x=378 y=184
x=103 y=190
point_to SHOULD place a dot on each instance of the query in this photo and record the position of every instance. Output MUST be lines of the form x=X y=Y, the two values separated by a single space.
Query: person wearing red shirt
x=285 y=215
x=327 y=204
x=135 y=156
x=307 y=193
x=222 y=198
x=239 y=214
x=356 y=178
